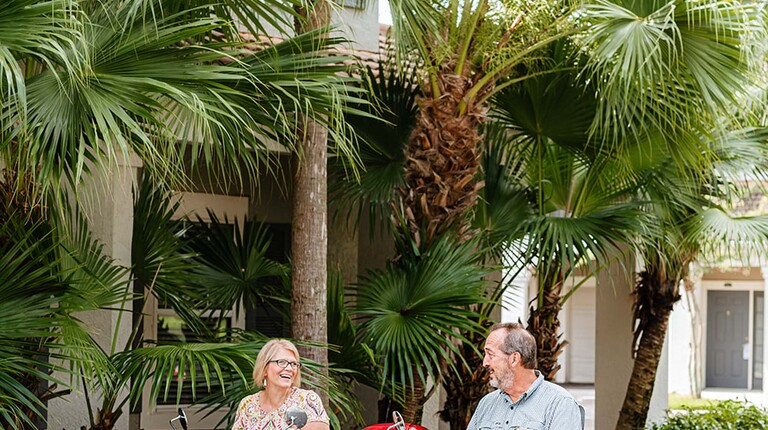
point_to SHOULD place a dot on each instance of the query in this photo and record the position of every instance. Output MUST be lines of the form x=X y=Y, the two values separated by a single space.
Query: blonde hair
x=267 y=353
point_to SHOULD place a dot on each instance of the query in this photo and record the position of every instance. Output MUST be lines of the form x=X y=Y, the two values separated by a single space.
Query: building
x=110 y=206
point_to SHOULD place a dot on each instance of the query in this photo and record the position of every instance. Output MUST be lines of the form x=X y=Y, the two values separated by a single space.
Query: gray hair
x=518 y=340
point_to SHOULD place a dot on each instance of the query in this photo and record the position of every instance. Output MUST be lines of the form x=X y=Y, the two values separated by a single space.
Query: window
x=266 y=319
x=355 y=4
x=162 y=323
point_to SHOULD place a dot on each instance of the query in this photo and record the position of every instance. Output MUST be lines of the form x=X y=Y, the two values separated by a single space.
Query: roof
x=256 y=43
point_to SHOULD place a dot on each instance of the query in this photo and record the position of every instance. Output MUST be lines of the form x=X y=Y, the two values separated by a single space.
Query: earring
x=264 y=383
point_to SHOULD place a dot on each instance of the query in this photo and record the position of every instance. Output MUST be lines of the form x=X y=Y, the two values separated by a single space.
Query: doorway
x=728 y=346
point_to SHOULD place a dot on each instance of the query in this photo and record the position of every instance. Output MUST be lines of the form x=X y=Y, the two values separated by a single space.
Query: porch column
x=613 y=340
x=657 y=411
x=764 y=273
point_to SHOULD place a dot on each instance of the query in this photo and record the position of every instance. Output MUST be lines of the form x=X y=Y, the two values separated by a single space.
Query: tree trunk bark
x=309 y=244
x=414 y=402
x=544 y=324
x=634 y=412
x=442 y=161
x=464 y=391
x=309 y=226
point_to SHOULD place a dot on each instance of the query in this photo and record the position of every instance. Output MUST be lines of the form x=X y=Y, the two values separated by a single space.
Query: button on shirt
x=544 y=406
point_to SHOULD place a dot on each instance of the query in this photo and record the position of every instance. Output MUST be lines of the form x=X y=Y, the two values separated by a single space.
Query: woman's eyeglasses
x=284 y=363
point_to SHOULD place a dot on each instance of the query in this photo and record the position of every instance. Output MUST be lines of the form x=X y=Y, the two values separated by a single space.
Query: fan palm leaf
x=127 y=83
x=233 y=266
x=49 y=272
x=391 y=95
x=256 y=16
x=32 y=29
x=674 y=62
x=130 y=87
x=413 y=311
x=28 y=322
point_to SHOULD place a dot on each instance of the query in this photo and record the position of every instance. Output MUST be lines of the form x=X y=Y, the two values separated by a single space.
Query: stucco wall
x=358 y=24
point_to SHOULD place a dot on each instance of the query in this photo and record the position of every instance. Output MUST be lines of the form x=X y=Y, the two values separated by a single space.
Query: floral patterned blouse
x=250 y=416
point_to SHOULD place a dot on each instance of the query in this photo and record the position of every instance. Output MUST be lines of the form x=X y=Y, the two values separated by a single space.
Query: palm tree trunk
x=465 y=387
x=634 y=412
x=309 y=249
x=414 y=402
x=655 y=296
x=309 y=227
x=442 y=162
x=544 y=324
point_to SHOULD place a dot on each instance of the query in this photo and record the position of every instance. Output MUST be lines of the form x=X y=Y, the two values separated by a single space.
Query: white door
x=581 y=336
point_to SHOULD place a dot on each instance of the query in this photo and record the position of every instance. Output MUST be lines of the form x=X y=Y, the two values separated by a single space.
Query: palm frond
x=256 y=16
x=157 y=246
x=662 y=66
x=413 y=310
x=552 y=106
x=232 y=265
x=94 y=280
x=722 y=235
x=392 y=94
x=505 y=201
x=38 y=31
x=350 y=354
x=34 y=295
x=301 y=75
x=200 y=366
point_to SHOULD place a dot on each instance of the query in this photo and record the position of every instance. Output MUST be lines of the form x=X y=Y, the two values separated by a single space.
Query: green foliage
x=50 y=271
x=725 y=415
x=391 y=96
x=413 y=311
x=88 y=84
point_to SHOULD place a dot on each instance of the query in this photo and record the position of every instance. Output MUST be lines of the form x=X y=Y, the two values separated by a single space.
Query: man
x=524 y=400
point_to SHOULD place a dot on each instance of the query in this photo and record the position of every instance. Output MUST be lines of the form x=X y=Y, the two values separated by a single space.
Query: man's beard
x=504 y=384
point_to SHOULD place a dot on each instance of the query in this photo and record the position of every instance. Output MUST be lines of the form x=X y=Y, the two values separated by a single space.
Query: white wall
x=359 y=25
x=613 y=341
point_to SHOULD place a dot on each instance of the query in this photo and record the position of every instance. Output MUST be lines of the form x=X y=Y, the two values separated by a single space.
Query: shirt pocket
x=532 y=425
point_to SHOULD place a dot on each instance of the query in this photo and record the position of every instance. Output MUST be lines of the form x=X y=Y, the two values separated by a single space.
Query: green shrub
x=728 y=414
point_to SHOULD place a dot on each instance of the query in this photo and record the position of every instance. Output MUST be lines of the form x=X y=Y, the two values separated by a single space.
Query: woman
x=278 y=371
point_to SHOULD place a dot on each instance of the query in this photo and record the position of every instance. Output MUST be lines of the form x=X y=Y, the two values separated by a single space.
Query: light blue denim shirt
x=544 y=406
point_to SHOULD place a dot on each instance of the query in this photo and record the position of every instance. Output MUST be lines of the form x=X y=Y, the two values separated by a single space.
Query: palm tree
x=110 y=79
x=52 y=270
x=570 y=210
x=695 y=223
x=520 y=198
x=466 y=50
x=679 y=69
x=84 y=84
x=679 y=79
x=522 y=203
x=412 y=311
x=631 y=91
